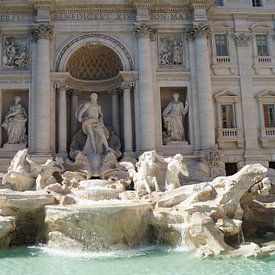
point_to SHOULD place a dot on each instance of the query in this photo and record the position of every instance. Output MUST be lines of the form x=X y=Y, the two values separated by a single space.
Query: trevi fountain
x=100 y=204
x=137 y=137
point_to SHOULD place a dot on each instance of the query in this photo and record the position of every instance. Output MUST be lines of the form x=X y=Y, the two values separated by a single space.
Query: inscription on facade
x=88 y=16
x=168 y=16
x=16 y=17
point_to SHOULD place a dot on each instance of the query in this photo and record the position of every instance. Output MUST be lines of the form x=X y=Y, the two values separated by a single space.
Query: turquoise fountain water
x=150 y=260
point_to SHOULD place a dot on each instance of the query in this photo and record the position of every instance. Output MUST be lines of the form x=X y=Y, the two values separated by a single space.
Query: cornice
x=144 y=3
x=42 y=3
x=96 y=9
x=201 y=4
x=16 y=10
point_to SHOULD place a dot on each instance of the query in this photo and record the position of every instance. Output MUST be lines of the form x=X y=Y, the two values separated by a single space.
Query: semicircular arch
x=76 y=43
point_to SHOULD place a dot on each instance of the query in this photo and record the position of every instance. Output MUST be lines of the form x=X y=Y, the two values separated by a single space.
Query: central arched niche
x=94 y=62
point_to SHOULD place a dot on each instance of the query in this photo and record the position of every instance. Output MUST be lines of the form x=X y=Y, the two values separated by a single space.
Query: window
x=262 y=48
x=257 y=3
x=271 y=164
x=228 y=116
x=221 y=45
x=218 y=2
x=269 y=115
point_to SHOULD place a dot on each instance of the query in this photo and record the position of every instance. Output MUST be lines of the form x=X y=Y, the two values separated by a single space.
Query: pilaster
x=145 y=32
x=42 y=33
x=198 y=33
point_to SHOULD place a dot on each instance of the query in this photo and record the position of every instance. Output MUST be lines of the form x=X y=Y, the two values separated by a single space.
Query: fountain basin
x=99 y=225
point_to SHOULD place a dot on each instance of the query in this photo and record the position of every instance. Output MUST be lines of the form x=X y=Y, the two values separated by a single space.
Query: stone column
x=62 y=118
x=204 y=91
x=115 y=112
x=42 y=33
x=127 y=117
x=74 y=108
x=144 y=33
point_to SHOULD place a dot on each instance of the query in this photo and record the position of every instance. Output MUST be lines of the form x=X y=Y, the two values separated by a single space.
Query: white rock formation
x=214 y=211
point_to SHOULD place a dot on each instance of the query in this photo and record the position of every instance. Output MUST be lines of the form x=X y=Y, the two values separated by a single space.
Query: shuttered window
x=262 y=47
x=269 y=115
x=228 y=116
x=221 y=45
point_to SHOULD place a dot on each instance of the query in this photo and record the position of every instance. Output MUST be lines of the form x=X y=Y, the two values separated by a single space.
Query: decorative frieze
x=15 y=53
x=170 y=50
x=145 y=30
x=198 y=29
x=242 y=39
x=42 y=31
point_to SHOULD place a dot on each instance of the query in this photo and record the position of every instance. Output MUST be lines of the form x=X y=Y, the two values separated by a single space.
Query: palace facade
x=142 y=58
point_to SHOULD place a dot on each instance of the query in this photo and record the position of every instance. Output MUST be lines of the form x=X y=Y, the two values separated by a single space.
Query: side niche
x=174 y=116
x=171 y=50
x=14 y=119
x=15 y=53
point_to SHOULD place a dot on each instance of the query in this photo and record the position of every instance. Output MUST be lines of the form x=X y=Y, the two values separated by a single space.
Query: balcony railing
x=228 y=133
x=222 y=59
x=264 y=60
x=268 y=133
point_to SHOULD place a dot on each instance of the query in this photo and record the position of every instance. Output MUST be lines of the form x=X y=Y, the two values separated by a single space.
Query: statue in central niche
x=91 y=117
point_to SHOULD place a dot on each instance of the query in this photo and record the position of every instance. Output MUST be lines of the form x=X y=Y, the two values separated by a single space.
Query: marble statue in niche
x=171 y=51
x=15 y=123
x=91 y=117
x=15 y=53
x=173 y=120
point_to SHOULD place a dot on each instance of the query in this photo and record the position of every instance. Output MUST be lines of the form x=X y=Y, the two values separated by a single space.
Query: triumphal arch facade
x=189 y=77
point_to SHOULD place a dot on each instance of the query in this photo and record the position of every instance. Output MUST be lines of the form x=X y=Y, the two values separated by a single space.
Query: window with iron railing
x=228 y=116
x=257 y=3
x=269 y=115
x=262 y=45
x=221 y=45
x=218 y=3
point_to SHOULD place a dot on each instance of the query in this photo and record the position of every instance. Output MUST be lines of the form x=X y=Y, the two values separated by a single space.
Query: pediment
x=225 y=93
x=266 y=93
x=260 y=27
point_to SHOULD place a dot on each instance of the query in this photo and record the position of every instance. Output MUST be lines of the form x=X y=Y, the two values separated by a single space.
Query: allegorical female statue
x=91 y=117
x=15 y=123
x=173 y=118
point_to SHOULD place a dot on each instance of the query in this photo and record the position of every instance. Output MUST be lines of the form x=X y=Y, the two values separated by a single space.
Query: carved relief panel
x=15 y=53
x=171 y=50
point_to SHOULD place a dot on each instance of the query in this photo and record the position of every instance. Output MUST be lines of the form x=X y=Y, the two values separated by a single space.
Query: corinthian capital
x=242 y=39
x=145 y=30
x=127 y=85
x=42 y=30
x=62 y=85
x=198 y=30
